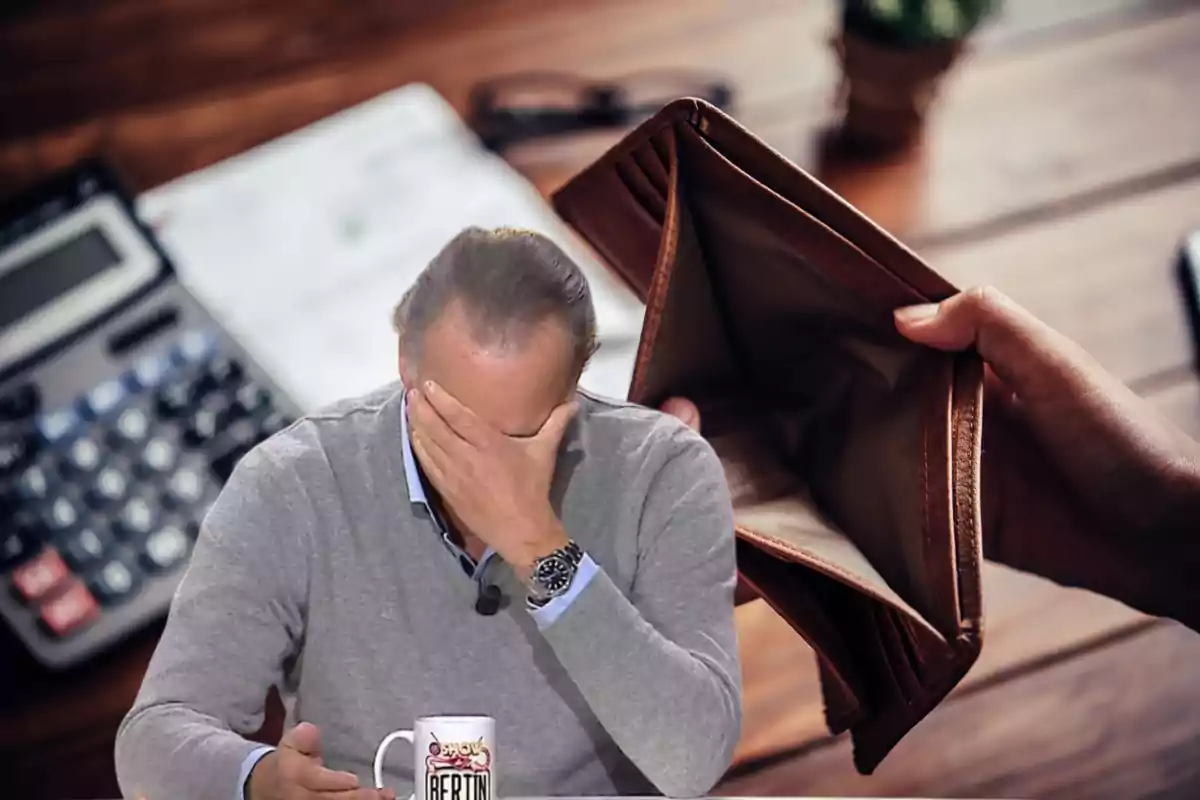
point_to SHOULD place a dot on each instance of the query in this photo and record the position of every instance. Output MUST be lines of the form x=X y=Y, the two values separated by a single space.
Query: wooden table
x=1063 y=165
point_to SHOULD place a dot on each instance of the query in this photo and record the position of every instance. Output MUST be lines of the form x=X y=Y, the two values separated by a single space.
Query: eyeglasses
x=530 y=105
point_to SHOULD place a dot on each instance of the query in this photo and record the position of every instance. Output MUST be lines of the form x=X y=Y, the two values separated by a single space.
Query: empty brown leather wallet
x=853 y=455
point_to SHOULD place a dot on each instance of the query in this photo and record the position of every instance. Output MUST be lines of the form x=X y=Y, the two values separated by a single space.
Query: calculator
x=124 y=407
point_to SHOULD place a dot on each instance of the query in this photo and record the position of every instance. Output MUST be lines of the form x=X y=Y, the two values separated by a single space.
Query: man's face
x=512 y=388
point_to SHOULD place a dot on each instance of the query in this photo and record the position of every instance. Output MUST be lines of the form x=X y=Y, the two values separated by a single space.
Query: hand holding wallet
x=852 y=454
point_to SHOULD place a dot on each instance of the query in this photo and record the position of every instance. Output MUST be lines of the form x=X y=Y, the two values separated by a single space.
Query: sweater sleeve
x=236 y=617
x=659 y=668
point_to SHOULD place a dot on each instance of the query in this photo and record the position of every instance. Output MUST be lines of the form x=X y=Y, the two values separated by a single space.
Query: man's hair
x=509 y=281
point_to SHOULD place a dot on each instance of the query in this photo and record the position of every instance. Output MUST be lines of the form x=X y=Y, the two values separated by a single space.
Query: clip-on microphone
x=487 y=603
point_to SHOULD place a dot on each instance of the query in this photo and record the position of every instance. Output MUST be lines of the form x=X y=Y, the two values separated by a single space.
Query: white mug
x=454 y=758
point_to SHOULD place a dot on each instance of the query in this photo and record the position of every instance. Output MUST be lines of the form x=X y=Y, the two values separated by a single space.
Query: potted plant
x=893 y=55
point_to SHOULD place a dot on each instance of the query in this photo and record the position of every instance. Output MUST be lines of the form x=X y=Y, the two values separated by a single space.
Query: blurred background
x=295 y=163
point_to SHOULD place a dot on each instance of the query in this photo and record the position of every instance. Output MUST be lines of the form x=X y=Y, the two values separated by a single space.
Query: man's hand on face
x=295 y=771
x=497 y=485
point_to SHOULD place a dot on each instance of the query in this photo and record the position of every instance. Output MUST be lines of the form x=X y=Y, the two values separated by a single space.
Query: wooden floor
x=1063 y=165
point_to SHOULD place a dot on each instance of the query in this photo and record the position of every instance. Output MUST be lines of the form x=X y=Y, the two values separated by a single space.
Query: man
x=354 y=560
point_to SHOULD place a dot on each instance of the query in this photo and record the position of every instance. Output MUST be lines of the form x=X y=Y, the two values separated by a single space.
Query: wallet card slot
x=898 y=653
x=664 y=149
x=656 y=169
x=642 y=190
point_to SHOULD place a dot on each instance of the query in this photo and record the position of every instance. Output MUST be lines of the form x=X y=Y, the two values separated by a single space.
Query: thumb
x=1024 y=352
x=304 y=739
x=556 y=424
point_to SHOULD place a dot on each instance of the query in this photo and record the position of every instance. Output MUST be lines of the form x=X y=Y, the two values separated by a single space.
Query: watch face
x=554 y=574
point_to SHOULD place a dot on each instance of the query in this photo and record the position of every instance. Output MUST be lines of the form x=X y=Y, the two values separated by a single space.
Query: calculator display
x=33 y=284
x=67 y=271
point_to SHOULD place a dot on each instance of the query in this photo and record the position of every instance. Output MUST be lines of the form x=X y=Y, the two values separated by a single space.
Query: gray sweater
x=316 y=573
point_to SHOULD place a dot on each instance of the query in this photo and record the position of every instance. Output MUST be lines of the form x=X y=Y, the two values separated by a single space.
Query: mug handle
x=382 y=751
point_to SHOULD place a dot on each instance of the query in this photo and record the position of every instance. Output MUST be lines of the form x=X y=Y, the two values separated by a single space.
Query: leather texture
x=853 y=455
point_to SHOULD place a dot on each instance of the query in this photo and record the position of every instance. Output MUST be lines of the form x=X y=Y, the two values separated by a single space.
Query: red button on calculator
x=40 y=576
x=72 y=609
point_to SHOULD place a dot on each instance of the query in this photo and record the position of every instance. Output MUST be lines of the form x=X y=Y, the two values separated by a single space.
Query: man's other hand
x=295 y=771
x=684 y=410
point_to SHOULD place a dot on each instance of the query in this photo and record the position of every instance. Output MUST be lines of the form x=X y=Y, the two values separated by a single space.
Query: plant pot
x=886 y=92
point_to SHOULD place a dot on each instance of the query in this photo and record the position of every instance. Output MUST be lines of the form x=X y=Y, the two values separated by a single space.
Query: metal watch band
x=558 y=567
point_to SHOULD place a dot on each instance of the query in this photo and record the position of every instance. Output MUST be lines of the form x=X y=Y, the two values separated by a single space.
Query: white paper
x=301 y=247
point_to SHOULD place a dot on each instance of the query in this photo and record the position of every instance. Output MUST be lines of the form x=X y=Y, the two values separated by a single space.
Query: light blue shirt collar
x=416 y=489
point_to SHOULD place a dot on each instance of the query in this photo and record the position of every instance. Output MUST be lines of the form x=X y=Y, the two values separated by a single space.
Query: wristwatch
x=552 y=574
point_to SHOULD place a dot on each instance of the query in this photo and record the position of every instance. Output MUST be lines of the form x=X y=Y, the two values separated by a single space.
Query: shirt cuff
x=545 y=615
x=247 y=765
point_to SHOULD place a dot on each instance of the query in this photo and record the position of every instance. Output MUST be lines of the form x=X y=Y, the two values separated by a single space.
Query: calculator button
x=166 y=547
x=252 y=398
x=57 y=426
x=110 y=488
x=185 y=487
x=223 y=372
x=104 y=399
x=20 y=403
x=137 y=518
x=131 y=427
x=62 y=515
x=84 y=456
x=208 y=420
x=149 y=372
x=158 y=456
x=17 y=543
x=193 y=347
x=15 y=451
x=85 y=546
x=34 y=483
x=70 y=611
x=174 y=400
x=36 y=579
x=115 y=581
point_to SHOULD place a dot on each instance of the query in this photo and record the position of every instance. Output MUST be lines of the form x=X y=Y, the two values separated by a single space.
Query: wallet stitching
x=969 y=561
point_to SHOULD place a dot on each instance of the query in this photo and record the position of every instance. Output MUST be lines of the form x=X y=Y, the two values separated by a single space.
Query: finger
x=460 y=419
x=304 y=739
x=552 y=430
x=321 y=779
x=427 y=421
x=1025 y=352
x=360 y=794
x=432 y=459
x=684 y=410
